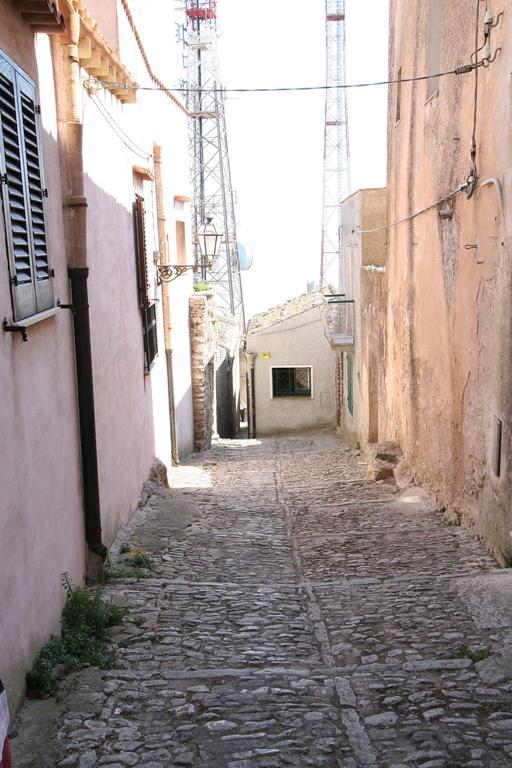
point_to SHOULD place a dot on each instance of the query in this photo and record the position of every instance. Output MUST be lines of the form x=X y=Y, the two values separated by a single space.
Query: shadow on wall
x=123 y=394
x=225 y=398
x=184 y=423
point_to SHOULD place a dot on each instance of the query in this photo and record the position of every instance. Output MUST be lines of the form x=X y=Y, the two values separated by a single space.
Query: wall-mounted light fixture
x=209 y=243
x=209 y=247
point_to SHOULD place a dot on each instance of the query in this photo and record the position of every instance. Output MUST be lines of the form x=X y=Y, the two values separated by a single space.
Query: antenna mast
x=336 y=147
x=211 y=173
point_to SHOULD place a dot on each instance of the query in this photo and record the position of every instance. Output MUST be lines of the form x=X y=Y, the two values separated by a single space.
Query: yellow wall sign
x=265 y=355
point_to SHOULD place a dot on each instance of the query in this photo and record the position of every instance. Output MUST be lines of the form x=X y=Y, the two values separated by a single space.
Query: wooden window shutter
x=141 y=251
x=23 y=197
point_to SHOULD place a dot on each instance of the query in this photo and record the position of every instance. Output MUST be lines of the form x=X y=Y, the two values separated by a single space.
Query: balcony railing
x=338 y=321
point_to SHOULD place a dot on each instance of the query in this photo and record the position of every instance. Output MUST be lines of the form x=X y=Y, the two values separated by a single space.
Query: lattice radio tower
x=336 y=147
x=209 y=156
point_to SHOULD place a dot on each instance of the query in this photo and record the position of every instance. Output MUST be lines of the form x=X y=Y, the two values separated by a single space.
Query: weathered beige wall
x=365 y=278
x=297 y=341
x=449 y=332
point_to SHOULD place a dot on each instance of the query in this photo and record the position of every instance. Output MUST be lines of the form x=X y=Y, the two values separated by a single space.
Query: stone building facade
x=203 y=347
x=361 y=361
x=449 y=271
x=215 y=338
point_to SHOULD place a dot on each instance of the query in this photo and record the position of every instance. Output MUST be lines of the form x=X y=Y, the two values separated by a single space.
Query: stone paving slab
x=190 y=627
x=234 y=720
x=295 y=615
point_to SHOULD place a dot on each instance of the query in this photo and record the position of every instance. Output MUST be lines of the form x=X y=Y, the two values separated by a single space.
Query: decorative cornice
x=41 y=15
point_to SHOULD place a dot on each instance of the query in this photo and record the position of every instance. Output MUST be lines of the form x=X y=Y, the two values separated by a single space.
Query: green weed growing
x=86 y=620
x=463 y=652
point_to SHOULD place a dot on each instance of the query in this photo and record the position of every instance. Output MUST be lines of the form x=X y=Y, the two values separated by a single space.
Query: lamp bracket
x=168 y=272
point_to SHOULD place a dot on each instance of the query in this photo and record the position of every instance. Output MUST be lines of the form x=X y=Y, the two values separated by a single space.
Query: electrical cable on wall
x=122 y=135
x=461 y=188
x=489 y=23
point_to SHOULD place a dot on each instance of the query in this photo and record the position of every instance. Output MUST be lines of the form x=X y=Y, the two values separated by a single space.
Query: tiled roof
x=284 y=311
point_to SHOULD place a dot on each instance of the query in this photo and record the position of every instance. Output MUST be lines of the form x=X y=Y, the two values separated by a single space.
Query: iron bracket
x=21 y=329
x=66 y=306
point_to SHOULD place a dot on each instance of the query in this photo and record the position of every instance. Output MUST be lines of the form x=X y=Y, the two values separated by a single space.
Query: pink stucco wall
x=41 y=521
x=41 y=518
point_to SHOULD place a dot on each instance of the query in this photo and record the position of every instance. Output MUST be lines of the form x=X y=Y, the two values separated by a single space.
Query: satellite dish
x=245 y=256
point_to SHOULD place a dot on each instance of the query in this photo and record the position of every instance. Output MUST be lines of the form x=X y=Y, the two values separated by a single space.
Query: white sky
x=276 y=140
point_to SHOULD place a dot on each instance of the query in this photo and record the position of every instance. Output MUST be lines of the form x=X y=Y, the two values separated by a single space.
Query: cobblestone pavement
x=296 y=615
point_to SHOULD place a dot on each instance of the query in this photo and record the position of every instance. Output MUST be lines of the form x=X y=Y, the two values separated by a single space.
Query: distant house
x=291 y=368
x=357 y=319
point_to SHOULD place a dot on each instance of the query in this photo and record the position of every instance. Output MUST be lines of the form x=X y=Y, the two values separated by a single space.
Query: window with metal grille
x=147 y=307
x=23 y=193
x=291 y=382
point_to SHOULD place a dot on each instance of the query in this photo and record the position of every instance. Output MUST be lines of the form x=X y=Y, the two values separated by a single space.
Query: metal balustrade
x=338 y=317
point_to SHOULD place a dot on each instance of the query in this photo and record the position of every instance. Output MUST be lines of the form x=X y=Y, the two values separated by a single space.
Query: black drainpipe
x=85 y=390
x=253 y=403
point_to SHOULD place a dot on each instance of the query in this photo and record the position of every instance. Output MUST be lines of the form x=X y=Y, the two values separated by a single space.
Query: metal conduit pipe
x=499 y=191
x=251 y=394
x=69 y=104
x=166 y=301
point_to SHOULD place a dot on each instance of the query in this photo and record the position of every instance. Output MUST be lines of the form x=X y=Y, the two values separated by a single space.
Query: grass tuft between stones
x=463 y=652
x=86 y=619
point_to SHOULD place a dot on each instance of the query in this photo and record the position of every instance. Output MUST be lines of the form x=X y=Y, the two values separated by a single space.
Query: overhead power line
x=462 y=70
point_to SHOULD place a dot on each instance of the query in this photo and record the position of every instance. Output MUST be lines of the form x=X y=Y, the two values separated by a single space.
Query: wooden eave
x=143 y=173
x=41 y=15
x=100 y=62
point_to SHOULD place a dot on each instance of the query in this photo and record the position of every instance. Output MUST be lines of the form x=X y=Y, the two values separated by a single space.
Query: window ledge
x=292 y=397
x=38 y=318
x=20 y=326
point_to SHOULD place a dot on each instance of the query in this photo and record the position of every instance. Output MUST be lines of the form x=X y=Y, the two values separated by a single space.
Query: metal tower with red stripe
x=336 y=147
x=209 y=155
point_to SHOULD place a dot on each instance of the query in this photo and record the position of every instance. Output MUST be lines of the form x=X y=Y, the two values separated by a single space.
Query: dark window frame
x=292 y=389
x=23 y=194
x=147 y=307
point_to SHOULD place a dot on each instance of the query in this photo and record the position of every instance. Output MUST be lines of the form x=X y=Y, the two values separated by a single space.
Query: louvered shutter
x=22 y=194
x=141 y=251
x=148 y=308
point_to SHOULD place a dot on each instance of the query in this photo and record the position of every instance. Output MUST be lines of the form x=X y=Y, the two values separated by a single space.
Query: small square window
x=291 y=382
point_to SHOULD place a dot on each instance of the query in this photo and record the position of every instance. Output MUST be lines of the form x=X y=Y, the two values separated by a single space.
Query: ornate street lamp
x=209 y=247
x=209 y=243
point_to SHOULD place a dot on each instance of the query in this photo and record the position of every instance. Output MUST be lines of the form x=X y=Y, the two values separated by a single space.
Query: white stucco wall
x=296 y=342
x=132 y=408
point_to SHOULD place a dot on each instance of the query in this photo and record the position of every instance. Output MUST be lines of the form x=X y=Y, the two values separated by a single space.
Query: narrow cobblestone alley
x=296 y=615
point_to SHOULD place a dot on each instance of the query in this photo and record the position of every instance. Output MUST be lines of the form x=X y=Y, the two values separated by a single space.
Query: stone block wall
x=202 y=352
